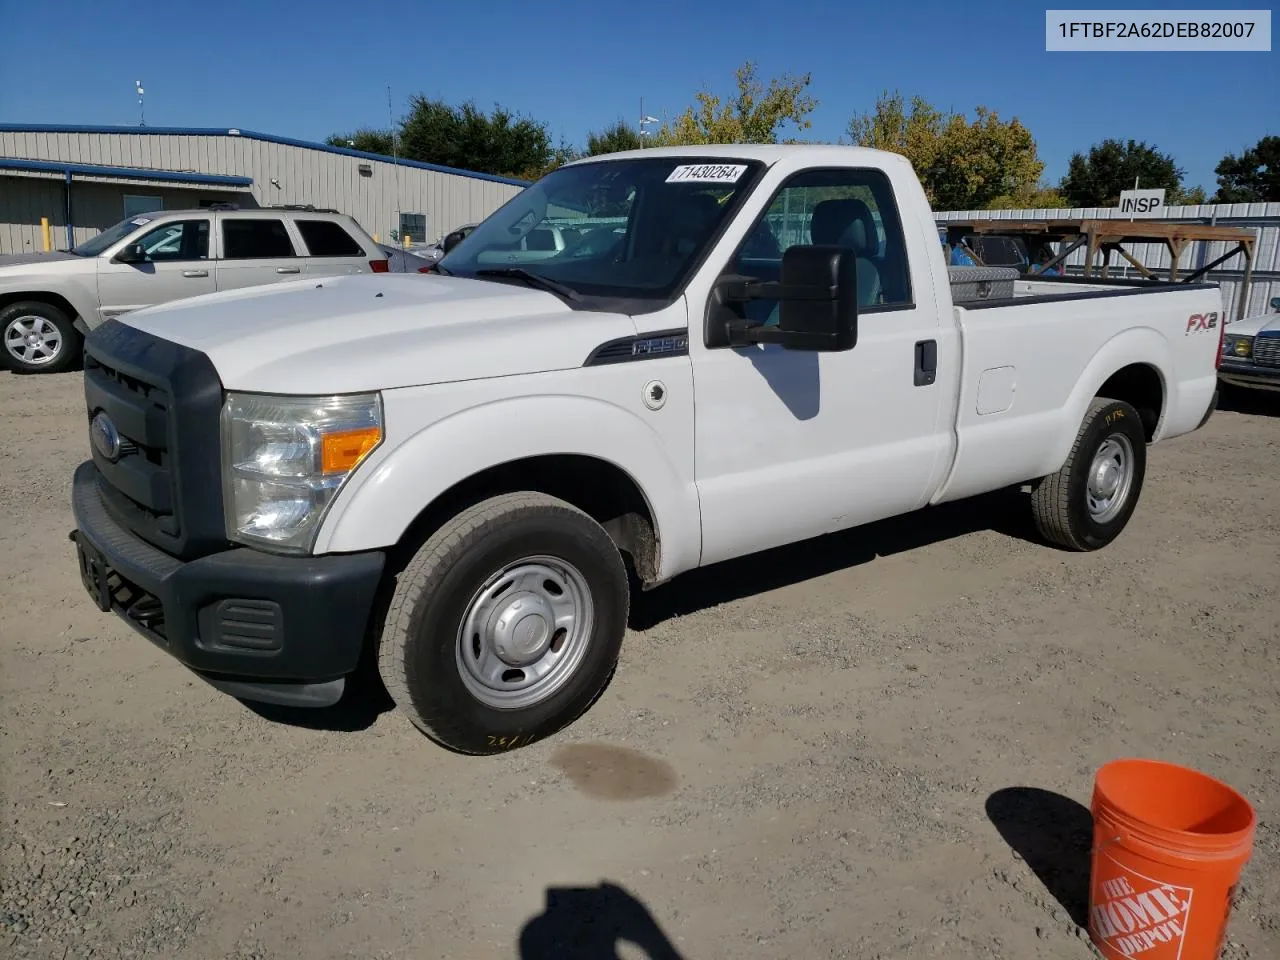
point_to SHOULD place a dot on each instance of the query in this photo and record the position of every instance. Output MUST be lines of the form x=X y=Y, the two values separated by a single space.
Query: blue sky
x=306 y=70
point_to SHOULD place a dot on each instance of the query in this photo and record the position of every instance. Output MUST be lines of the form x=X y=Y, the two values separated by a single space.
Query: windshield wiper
x=532 y=279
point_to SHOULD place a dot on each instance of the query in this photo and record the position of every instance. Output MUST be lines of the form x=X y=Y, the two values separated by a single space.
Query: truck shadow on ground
x=1007 y=512
x=588 y=923
x=1259 y=403
x=1054 y=835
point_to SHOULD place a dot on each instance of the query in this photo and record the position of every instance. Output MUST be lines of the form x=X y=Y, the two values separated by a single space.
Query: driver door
x=177 y=266
x=792 y=444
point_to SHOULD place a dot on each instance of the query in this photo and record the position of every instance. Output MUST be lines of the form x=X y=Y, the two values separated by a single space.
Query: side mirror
x=817 y=300
x=1275 y=303
x=133 y=253
x=452 y=240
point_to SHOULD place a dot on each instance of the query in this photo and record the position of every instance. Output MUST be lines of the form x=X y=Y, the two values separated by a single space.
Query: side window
x=255 y=239
x=181 y=240
x=849 y=208
x=324 y=238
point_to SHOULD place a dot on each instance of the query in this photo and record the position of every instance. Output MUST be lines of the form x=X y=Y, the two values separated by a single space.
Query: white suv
x=48 y=301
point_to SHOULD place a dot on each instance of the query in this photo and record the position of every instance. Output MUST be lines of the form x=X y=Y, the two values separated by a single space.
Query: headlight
x=284 y=459
x=1237 y=347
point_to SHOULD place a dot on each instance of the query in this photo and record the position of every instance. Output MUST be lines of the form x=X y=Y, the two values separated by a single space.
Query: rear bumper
x=284 y=630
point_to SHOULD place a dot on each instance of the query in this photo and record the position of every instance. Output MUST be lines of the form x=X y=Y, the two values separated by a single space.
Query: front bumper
x=1250 y=375
x=284 y=630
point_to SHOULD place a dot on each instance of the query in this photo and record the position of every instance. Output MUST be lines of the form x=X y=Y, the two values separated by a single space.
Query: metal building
x=84 y=179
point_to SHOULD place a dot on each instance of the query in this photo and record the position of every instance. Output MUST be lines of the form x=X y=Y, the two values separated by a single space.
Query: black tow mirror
x=452 y=240
x=817 y=301
x=133 y=253
x=1275 y=303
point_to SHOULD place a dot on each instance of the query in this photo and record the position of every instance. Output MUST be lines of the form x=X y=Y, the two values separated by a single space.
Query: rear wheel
x=506 y=624
x=1088 y=502
x=37 y=337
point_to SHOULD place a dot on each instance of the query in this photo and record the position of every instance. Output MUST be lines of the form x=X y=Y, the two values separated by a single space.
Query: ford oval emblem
x=105 y=438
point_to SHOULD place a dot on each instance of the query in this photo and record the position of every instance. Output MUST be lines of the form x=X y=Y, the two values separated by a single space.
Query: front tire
x=1088 y=502
x=37 y=337
x=506 y=625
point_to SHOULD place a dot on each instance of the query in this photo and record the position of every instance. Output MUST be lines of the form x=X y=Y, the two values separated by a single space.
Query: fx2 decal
x=1201 y=322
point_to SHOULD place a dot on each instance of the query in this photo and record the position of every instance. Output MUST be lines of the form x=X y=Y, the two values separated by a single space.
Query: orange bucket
x=1168 y=847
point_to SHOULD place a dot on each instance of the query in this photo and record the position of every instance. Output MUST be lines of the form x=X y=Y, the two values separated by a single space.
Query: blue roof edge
x=123 y=173
x=253 y=135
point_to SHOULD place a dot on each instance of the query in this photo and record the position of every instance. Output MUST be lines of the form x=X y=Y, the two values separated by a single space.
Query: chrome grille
x=1266 y=351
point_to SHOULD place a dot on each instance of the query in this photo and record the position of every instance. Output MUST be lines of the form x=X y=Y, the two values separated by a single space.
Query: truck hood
x=1252 y=326
x=379 y=332
x=27 y=263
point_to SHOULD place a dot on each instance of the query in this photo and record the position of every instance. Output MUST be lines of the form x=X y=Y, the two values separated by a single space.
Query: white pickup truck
x=463 y=475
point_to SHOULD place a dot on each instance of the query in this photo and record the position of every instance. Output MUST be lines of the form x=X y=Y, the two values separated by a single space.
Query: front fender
x=83 y=301
x=387 y=494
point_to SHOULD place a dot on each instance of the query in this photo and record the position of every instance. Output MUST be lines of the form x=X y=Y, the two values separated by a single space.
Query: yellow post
x=407 y=241
x=44 y=231
x=375 y=239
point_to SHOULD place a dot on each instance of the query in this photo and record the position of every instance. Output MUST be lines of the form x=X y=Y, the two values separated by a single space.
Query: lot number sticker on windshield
x=140 y=221
x=707 y=173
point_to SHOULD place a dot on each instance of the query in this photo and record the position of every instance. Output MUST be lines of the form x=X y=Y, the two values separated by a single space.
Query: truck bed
x=1031 y=363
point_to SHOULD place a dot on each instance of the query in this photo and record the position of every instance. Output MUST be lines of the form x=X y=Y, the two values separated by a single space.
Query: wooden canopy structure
x=1110 y=236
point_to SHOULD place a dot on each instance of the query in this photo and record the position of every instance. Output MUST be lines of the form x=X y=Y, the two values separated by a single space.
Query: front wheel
x=506 y=624
x=37 y=338
x=1088 y=502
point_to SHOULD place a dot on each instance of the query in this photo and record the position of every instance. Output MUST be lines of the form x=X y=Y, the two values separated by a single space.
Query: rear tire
x=37 y=337
x=1088 y=502
x=506 y=625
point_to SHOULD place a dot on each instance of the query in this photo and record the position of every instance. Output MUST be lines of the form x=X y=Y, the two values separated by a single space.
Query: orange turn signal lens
x=341 y=452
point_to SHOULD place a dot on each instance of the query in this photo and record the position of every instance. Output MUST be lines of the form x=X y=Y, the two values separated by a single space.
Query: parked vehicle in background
x=405 y=259
x=455 y=237
x=470 y=490
x=1251 y=351
x=49 y=301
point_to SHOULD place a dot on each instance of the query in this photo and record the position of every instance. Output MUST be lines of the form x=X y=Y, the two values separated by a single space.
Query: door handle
x=288 y=269
x=195 y=273
x=926 y=362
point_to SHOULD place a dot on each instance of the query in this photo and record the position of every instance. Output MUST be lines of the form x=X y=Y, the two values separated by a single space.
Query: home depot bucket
x=1168 y=847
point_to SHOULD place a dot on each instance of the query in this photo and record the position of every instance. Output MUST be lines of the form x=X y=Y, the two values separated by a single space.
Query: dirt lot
x=871 y=746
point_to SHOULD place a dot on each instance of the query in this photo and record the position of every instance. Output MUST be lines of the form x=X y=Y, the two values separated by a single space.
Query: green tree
x=755 y=114
x=1252 y=177
x=499 y=142
x=370 y=141
x=1096 y=179
x=613 y=139
x=1039 y=197
x=962 y=164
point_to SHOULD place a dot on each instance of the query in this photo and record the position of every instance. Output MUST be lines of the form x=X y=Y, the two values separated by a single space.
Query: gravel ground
x=872 y=746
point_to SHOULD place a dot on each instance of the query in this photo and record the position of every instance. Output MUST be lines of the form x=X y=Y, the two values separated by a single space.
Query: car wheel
x=1088 y=502
x=37 y=337
x=506 y=625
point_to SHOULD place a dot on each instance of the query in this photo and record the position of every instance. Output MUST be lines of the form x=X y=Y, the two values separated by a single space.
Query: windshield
x=615 y=229
x=95 y=245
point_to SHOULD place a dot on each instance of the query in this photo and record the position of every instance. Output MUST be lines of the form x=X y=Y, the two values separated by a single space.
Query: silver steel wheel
x=524 y=633
x=1110 y=478
x=32 y=340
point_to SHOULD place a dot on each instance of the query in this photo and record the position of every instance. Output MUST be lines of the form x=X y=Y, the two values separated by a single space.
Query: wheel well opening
x=1140 y=386
x=52 y=299
x=600 y=489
